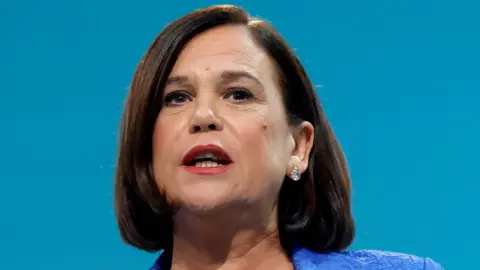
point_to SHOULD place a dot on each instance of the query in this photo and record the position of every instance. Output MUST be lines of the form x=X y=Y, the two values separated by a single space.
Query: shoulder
x=363 y=259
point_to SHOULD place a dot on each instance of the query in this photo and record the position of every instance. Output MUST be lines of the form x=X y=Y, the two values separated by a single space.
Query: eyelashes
x=238 y=95
x=235 y=95
x=176 y=98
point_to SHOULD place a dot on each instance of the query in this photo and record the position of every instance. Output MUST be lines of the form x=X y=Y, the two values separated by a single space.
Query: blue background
x=399 y=81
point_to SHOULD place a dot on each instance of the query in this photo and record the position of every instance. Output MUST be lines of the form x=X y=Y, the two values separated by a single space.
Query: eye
x=238 y=95
x=176 y=98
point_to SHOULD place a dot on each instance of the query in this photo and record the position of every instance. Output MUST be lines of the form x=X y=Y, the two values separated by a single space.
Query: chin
x=204 y=208
x=205 y=200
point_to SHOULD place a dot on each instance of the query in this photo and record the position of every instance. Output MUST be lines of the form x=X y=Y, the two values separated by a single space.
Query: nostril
x=203 y=128
x=196 y=129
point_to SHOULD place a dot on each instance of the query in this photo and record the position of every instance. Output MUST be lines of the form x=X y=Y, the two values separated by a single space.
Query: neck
x=227 y=241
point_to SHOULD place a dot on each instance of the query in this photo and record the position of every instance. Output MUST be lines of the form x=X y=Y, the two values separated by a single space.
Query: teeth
x=208 y=155
x=207 y=164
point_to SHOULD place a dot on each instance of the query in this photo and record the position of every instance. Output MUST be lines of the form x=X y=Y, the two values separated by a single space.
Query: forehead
x=224 y=48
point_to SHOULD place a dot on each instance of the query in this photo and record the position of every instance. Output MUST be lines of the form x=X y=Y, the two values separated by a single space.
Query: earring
x=295 y=173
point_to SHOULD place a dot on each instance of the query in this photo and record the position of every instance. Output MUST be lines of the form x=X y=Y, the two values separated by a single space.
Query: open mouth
x=207 y=159
x=206 y=156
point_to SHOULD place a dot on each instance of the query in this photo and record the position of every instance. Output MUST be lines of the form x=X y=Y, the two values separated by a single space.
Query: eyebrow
x=233 y=75
x=176 y=80
x=227 y=76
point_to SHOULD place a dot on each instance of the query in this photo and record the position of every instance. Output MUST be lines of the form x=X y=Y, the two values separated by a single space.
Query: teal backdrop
x=398 y=79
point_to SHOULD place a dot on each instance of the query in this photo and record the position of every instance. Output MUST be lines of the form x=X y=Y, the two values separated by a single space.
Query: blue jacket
x=304 y=259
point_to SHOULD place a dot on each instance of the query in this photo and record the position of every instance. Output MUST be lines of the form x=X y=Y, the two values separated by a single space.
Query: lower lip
x=207 y=170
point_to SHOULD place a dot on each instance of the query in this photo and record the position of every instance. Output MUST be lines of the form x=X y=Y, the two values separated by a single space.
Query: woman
x=227 y=160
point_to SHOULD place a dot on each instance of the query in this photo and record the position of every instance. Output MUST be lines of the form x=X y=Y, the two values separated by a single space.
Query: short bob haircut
x=313 y=212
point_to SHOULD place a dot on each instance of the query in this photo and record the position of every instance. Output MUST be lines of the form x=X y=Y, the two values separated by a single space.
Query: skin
x=224 y=90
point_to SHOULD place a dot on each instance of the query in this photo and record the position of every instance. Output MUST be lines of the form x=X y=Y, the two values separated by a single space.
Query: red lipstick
x=207 y=160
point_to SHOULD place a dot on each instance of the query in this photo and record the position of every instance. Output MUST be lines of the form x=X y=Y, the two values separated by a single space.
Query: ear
x=303 y=136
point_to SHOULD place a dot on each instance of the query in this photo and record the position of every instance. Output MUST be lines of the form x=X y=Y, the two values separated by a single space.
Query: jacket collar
x=302 y=258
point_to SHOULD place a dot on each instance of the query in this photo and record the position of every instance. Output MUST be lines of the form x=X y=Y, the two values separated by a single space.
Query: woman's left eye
x=238 y=95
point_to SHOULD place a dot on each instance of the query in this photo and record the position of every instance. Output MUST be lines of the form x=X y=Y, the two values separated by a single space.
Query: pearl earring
x=295 y=173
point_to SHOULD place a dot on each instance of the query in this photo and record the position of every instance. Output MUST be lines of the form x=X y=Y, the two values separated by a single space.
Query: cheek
x=166 y=133
x=158 y=147
x=264 y=141
x=265 y=159
x=276 y=133
x=252 y=128
x=160 y=139
x=165 y=137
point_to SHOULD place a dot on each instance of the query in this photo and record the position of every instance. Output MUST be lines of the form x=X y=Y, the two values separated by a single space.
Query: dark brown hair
x=313 y=212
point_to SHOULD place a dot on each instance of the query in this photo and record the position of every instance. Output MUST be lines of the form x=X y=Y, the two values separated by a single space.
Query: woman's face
x=222 y=100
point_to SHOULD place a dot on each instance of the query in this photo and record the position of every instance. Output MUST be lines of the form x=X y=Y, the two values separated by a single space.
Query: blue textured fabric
x=304 y=259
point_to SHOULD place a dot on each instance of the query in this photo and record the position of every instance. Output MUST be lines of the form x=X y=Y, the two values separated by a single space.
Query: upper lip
x=211 y=148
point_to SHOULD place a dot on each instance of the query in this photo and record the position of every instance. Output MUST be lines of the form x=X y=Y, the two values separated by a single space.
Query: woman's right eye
x=176 y=98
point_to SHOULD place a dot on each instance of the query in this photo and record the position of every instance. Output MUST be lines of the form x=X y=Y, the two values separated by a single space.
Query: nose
x=205 y=119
